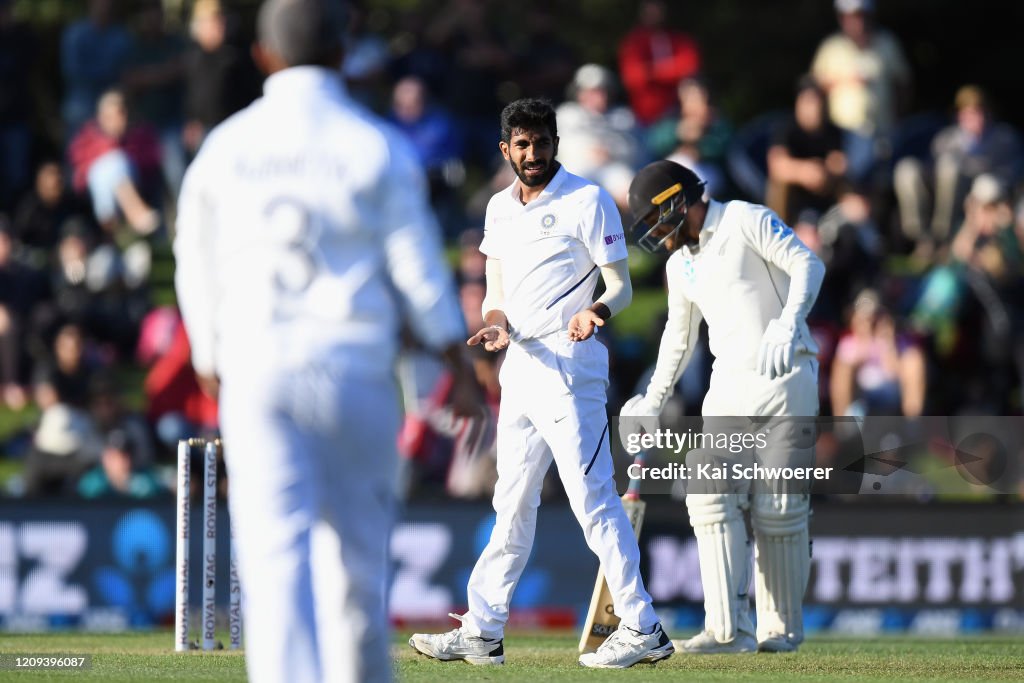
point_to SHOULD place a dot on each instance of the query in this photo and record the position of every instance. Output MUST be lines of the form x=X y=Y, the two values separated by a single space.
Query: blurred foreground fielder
x=298 y=221
x=737 y=265
x=548 y=238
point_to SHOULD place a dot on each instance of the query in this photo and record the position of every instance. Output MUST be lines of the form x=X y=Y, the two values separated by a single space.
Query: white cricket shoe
x=777 y=643
x=704 y=643
x=626 y=647
x=459 y=645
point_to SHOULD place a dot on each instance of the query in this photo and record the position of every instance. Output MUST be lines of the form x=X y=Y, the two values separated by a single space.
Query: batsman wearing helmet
x=740 y=268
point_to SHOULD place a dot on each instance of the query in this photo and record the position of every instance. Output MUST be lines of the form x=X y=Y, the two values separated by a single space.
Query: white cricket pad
x=783 y=563
x=724 y=563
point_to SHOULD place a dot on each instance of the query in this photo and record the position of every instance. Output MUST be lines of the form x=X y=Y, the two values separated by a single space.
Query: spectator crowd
x=919 y=216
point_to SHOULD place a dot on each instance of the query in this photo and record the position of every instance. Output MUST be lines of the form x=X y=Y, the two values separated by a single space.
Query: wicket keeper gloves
x=778 y=345
x=638 y=414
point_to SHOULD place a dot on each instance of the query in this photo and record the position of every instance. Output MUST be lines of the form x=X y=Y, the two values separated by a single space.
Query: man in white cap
x=598 y=138
x=867 y=78
x=303 y=226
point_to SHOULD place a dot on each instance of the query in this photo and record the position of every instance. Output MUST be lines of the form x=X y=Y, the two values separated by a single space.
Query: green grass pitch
x=538 y=657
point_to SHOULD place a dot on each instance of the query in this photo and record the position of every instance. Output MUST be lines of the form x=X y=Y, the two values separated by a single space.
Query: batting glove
x=775 y=357
x=638 y=415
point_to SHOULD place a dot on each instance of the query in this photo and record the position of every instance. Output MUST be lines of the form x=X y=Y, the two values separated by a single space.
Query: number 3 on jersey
x=292 y=232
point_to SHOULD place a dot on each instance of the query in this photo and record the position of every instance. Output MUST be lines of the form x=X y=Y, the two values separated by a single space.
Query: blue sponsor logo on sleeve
x=612 y=239
x=780 y=229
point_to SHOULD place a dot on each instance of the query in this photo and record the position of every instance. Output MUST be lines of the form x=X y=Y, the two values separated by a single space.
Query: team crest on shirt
x=547 y=223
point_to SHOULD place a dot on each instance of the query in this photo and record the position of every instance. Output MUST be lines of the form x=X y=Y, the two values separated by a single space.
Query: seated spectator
x=220 y=78
x=93 y=51
x=120 y=474
x=597 y=139
x=472 y=261
x=20 y=290
x=806 y=160
x=986 y=240
x=653 y=59
x=69 y=298
x=430 y=129
x=876 y=370
x=115 y=162
x=437 y=140
x=65 y=378
x=64 y=445
x=974 y=145
x=95 y=286
x=41 y=213
x=175 y=404
x=471 y=279
x=867 y=78
x=109 y=414
x=972 y=306
x=851 y=247
x=435 y=445
x=988 y=253
x=697 y=137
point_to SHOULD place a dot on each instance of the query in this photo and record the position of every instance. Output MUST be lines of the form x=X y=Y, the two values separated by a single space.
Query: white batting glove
x=778 y=345
x=638 y=415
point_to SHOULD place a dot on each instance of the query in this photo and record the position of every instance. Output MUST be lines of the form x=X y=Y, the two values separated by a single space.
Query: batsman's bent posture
x=737 y=265
x=298 y=222
x=547 y=237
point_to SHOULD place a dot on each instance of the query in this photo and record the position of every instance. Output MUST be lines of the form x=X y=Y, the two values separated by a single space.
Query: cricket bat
x=601 y=617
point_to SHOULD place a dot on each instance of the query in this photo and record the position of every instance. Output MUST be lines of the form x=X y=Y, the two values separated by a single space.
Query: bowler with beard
x=548 y=238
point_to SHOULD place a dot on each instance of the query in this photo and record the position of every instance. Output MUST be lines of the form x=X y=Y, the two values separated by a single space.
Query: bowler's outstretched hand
x=494 y=338
x=582 y=325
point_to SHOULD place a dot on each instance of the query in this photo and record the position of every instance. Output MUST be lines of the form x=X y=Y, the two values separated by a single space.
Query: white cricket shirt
x=304 y=232
x=749 y=269
x=551 y=251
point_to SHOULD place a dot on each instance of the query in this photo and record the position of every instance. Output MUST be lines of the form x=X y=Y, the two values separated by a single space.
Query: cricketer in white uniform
x=744 y=271
x=547 y=238
x=300 y=223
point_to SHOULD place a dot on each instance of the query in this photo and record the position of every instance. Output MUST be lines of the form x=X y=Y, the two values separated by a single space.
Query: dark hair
x=527 y=114
x=808 y=82
x=303 y=32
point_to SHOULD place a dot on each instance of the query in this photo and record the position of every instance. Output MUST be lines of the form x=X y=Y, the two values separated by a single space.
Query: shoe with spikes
x=457 y=644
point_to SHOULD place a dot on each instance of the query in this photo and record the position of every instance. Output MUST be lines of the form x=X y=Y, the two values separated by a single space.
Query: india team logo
x=547 y=223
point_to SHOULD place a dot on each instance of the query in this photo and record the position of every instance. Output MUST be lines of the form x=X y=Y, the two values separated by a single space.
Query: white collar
x=712 y=218
x=515 y=189
x=302 y=79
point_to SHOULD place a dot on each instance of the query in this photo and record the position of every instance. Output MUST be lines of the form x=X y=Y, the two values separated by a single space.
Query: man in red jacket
x=112 y=159
x=652 y=61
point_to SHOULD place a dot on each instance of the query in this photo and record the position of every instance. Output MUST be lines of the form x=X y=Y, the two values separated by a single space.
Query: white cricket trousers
x=553 y=407
x=311 y=460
